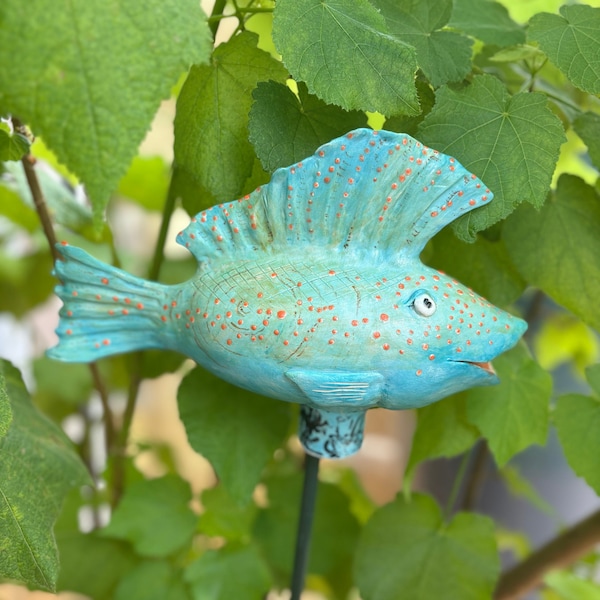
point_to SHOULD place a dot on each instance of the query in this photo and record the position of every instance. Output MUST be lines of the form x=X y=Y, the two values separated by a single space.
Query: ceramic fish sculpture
x=311 y=290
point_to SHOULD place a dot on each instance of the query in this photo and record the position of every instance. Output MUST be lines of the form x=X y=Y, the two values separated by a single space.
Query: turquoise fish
x=310 y=290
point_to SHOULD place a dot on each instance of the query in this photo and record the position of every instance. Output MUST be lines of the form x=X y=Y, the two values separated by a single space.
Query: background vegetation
x=513 y=94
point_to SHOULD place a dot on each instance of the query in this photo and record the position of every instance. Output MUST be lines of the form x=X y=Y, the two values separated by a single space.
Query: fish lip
x=485 y=366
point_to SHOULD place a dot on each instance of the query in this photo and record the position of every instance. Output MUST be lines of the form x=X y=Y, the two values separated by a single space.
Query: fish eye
x=424 y=305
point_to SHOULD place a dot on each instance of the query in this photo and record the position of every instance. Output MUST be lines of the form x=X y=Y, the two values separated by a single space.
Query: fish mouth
x=484 y=366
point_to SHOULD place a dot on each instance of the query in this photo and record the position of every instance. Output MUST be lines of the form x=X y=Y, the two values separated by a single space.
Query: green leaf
x=577 y=420
x=442 y=431
x=571 y=42
x=13 y=145
x=154 y=516
x=229 y=573
x=224 y=517
x=484 y=266
x=37 y=470
x=343 y=51
x=587 y=127
x=286 y=128
x=511 y=143
x=571 y=587
x=236 y=430
x=152 y=580
x=487 y=21
x=92 y=565
x=60 y=387
x=408 y=552
x=334 y=534
x=520 y=487
x=146 y=182
x=64 y=207
x=213 y=157
x=443 y=56
x=25 y=282
x=557 y=248
x=14 y=209
x=90 y=83
x=404 y=124
x=514 y=414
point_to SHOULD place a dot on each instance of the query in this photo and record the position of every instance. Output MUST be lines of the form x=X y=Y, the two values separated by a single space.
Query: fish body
x=311 y=290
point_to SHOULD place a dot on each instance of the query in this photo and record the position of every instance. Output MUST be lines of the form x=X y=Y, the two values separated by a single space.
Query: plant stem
x=217 y=11
x=120 y=447
x=28 y=162
x=39 y=201
x=476 y=476
x=559 y=552
x=159 y=249
x=458 y=479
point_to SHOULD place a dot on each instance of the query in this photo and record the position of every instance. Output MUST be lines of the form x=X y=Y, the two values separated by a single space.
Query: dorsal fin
x=366 y=192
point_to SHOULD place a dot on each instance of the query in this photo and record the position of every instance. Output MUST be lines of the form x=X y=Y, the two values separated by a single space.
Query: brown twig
x=477 y=476
x=559 y=552
x=28 y=162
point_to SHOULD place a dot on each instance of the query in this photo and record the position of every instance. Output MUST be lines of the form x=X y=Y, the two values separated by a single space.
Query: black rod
x=307 y=511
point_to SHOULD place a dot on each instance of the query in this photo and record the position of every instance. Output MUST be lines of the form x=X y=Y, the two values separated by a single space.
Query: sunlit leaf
x=154 y=516
x=13 y=145
x=443 y=56
x=488 y=21
x=510 y=142
x=577 y=420
x=442 y=431
x=213 y=157
x=343 y=51
x=90 y=83
x=587 y=127
x=570 y=41
x=408 y=552
x=557 y=248
x=37 y=470
x=236 y=430
x=152 y=580
x=285 y=129
x=229 y=573
x=514 y=414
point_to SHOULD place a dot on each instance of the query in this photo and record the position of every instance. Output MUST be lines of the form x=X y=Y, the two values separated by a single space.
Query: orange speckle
x=139 y=306
x=69 y=331
x=419 y=373
x=106 y=342
x=74 y=293
x=281 y=314
x=104 y=280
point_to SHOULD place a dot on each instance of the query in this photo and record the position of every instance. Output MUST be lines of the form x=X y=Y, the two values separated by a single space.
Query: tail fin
x=105 y=310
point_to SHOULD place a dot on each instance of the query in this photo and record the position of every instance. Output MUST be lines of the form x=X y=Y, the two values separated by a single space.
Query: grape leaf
x=236 y=430
x=484 y=266
x=154 y=516
x=84 y=557
x=571 y=42
x=285 y=129
x=587 y=127
x=223 y=517
x=405 y=124
x=408 y=552
x=335 y=529
x=13 y=145
x=487 y=21
x=511 y=143
x=152 y=580
x=557 y=248
x=237 y=572
x=443 y=56
x=146 y=182
x=90 y=83
x=343 y=51
x=514 y=414
x=37 y=470
x=442 y=431
x=577 y=420
x=213 y=157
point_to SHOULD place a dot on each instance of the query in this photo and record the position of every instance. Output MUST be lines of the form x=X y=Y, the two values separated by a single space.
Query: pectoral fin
x=329 y=389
